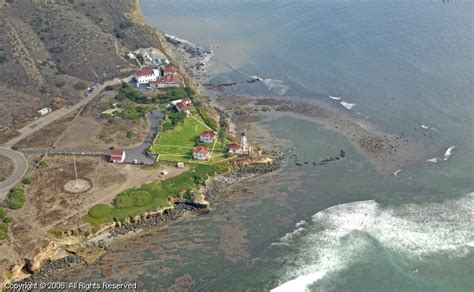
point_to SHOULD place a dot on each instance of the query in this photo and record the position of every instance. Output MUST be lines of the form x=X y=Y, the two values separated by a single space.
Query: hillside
x=48 y=46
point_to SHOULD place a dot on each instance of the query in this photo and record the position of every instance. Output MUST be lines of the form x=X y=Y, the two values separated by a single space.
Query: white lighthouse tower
x=244 y=142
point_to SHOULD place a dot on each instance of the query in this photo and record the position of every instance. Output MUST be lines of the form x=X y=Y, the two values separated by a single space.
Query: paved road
x=138 y=153
x=21 y=166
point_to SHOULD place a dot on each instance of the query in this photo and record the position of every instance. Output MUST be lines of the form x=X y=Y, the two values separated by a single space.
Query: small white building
x=180 y=165
x=146 y=75
x=117 y=156
x=201 y=153
x=234 y=147
x=44 y=111
x=207 y=136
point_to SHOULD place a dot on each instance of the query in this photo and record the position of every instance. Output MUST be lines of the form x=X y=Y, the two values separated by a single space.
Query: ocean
x=405 y=66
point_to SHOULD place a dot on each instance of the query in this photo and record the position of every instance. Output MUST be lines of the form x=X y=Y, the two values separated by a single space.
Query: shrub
x=119 y=35
x=2 y=213
x=104 y=106
x=100 y=210
x=7 y=219
x=27 y=180
x=109 y=88
x=79 y=86
x=56 y=232
x=126 y=24
x=3 y=59
x=130 y=113
x=16 y=198
x=106 y=116
x=60 y=84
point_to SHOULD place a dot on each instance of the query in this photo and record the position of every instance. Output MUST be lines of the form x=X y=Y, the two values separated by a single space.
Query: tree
x=177 y=118
x=27 y=180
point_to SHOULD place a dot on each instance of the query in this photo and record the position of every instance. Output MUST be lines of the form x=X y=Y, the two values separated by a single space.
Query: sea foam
x=347 y=105
x=335 y=97
x=339 y=236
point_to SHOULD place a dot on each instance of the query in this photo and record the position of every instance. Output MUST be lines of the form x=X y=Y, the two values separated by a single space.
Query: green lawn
x=176 y=144
x=152 y=196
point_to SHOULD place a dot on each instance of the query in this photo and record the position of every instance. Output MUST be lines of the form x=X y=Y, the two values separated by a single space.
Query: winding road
x=21 y=164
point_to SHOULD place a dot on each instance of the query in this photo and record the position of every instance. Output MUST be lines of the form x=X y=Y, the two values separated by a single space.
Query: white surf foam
x=335 y=97
x=395 y=173
x=412 y=231
x=347 y=105
x=448 y=153
x=274 y=85
x=300 y=284
x=433 y=160
x=424 y=126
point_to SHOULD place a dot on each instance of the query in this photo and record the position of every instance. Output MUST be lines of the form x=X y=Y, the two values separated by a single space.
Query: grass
x=4 y=224
x=151 y=196
x=175 y=143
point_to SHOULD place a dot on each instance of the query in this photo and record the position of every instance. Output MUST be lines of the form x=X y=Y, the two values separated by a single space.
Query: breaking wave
x=277 y=86
x=446 y=156
x=335 y=97
x=347 y=105
x=339 y=236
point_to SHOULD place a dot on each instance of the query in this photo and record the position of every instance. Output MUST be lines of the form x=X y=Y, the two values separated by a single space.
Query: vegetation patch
x=152 y=196
x=16 y=198
x=128 y=92
x=5 y=222
x=79 y=86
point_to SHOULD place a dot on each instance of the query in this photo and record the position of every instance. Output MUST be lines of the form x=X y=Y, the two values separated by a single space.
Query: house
x=146 y=75
x=166 y=81
x=201 y=153
x=234 y=147
x=207 y=136
x=170 y=71
x=182 y=105
x=117 y=156
x=44 y=111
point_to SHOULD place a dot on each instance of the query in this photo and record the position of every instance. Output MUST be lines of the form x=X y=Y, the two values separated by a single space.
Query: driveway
x=21 y=166
x=140 y=152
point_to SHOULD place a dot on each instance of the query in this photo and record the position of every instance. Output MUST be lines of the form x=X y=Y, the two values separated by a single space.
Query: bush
x=7 y=219
x=79 y=86
x=109 y=88
x=119 y=35
x=126 y=24
x=27 y=180
x=3 y=59
x=106 y=116
x=130 y=113
x=60 y=84
x=16 y=198
x=2 y=213
x=127 y=91
x=100 y=210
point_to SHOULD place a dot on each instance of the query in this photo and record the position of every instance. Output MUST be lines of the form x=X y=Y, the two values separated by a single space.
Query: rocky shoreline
x=214 y=189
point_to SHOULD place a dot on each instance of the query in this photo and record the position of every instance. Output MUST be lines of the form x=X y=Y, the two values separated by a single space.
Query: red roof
x=201 y=150
x=171 y=79
x=234 y=146
x=208 y=133
x=144 y=72
x=182 y=105
x=172 y=70
x=116 y=155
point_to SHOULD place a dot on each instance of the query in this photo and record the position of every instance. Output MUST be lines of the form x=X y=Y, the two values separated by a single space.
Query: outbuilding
x=117 y=156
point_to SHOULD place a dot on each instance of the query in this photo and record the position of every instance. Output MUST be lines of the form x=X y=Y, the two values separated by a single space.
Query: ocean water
x=407 y=66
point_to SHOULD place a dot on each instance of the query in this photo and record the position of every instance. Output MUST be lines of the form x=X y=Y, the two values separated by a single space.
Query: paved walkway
x=21 y=166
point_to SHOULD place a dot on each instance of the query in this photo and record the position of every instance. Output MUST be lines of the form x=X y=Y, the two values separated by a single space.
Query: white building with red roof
x=234 y=147
x=207 y=136
x=166 y=81
x=201 y=153
x=146 y=75
x=182 y=105
x=170 y=71
x=117 y=156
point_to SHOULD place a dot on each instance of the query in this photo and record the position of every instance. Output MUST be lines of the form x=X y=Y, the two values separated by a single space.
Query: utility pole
x=75 y=169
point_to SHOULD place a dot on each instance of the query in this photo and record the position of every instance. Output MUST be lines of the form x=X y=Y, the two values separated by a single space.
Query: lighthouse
x=244 y=142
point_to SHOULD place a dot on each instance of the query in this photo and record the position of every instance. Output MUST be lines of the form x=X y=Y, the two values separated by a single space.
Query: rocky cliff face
x=48 y=46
